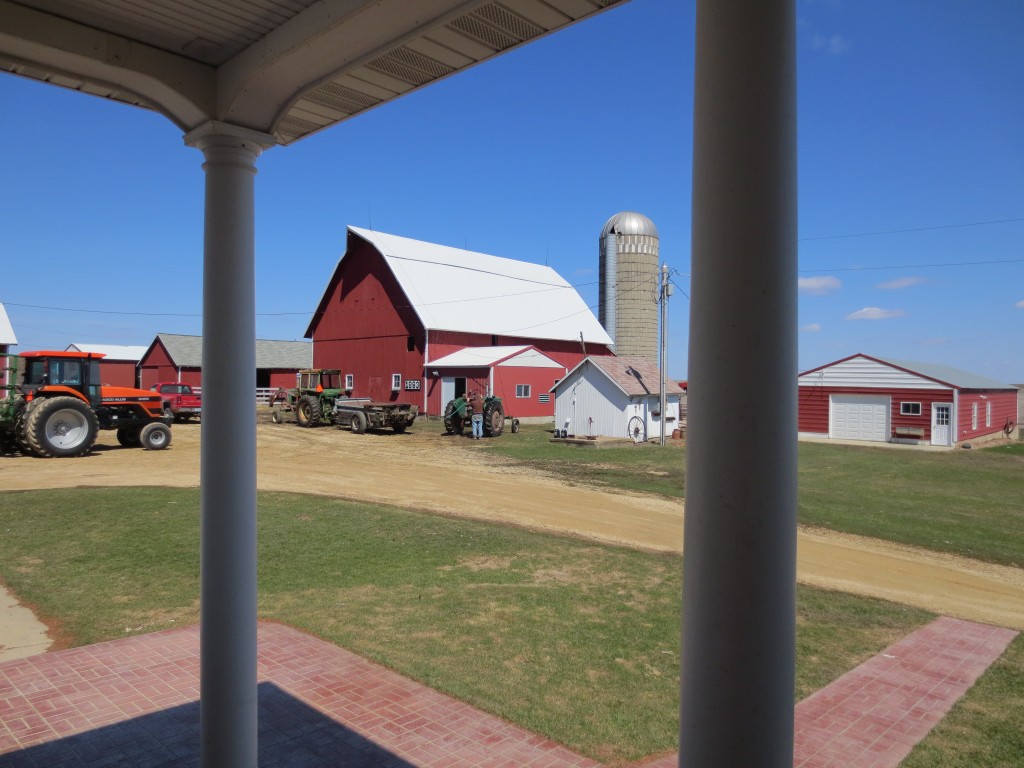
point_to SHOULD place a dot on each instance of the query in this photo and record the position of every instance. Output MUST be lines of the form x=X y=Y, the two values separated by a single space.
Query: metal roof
x=112 y=351
x=187 y=352
x=947 y=375
x=479 y=357
x=451 y=289
x=6 y=329
x=629 y=223
x=287 y=68
x=634 y=375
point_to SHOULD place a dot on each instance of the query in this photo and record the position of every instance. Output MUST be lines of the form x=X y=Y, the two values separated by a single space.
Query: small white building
x=615 y=397
x=7 y=340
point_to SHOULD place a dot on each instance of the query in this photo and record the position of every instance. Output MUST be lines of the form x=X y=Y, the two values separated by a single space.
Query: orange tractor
x=59 y=406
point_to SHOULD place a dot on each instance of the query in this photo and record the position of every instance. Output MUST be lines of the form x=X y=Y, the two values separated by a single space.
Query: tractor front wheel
x=308 y=412
x=59 y=427
x=494 y=419
x=155 y=436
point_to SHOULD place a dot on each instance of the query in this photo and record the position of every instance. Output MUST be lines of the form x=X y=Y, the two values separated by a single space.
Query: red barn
x=880 y=400
x=175 y=357
x=420 y=323
x=120 y=364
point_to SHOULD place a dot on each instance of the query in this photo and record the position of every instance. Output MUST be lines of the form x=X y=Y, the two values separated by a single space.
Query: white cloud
x=810 y=328
x=901 y=282
x=1019 y=304
x=818 y=286
x=875 y=313
x=834 y=45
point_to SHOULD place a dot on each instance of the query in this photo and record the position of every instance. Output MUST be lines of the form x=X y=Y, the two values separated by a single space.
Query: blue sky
x=911 y=142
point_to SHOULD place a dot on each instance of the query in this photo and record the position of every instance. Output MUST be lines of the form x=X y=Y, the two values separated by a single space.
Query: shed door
x=860 y=417
x=942 y=433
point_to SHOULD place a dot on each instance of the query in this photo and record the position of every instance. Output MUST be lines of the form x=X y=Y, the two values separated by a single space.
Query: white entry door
x=942 y=423
x=860 y=417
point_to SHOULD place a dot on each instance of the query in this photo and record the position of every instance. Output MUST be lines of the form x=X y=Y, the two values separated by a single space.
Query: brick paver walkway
x=134 y=702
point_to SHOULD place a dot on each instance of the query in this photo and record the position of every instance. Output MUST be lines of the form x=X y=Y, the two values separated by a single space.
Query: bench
x=908 y=432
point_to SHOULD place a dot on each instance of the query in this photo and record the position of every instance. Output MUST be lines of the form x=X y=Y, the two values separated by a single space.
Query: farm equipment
x=60 y=405
x=457 y=415
x=319 y=399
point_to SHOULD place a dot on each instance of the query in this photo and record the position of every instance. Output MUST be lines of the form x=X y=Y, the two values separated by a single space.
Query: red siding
x=367 y=327
x=156 y=366
x=814 y=406
x=505 y=380
x=118 y=373
x=1004 y=406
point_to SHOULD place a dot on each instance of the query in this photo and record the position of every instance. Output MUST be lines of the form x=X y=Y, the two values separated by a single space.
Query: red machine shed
x=119 y=366
x=883 y=400
x=394 y=308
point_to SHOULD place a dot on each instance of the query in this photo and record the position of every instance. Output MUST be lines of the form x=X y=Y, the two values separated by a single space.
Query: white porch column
x=228 y=717
x=741 y=475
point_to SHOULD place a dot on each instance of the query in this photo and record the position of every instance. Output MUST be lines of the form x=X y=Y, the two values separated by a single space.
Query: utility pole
x=666 y=291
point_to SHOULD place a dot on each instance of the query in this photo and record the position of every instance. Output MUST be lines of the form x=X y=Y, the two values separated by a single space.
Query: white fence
x=263 y=394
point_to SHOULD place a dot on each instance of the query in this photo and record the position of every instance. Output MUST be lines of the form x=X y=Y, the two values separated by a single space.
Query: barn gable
x=450 y=289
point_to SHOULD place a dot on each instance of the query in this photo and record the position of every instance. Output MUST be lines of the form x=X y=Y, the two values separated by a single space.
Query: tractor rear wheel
x=155 y=436
x=453 y=420
x=308 y=411
x=494 y=419
x=59 y=427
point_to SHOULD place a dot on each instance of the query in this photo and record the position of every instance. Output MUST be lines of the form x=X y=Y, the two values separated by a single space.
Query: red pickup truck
x=180 y=402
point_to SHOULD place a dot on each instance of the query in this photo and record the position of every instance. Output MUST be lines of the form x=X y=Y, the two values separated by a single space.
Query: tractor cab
x=75 y=370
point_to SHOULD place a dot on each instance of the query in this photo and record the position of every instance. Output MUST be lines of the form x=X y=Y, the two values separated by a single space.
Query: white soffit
x=455 y=290
x=284 y=67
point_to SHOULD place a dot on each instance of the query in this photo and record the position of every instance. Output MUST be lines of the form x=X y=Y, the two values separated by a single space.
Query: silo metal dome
x=629 y=223
x=628 y=288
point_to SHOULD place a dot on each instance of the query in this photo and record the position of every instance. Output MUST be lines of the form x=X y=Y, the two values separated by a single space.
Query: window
x=350 y=381
x=410 y=344
x=523 y=390
x=974 y=415
x=988 y=413
x=396 y=381
x=910 y=409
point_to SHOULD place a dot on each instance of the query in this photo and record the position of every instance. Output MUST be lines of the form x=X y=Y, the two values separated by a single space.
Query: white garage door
x=860 y=417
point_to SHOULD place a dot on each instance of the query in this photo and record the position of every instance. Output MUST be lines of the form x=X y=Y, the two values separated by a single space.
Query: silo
x=628 y=291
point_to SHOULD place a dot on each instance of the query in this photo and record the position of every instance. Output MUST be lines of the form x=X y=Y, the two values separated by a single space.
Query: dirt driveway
x=424 y=470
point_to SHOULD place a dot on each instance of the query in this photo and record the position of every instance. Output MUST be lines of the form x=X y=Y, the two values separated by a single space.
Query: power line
x=915 y=229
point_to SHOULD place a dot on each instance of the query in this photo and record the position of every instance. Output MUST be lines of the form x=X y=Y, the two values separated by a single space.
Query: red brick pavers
x=132 y=702
x=873 y=716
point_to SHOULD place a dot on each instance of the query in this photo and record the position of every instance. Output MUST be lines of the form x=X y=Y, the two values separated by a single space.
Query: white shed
x=615 y=397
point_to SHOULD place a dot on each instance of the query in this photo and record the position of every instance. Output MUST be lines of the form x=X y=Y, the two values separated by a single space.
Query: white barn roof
x=478 y=357
x=6 y=329
x=451 y=289
x=112 y=351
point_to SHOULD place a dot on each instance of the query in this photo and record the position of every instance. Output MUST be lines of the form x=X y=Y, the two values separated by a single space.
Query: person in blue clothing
x=476 y=408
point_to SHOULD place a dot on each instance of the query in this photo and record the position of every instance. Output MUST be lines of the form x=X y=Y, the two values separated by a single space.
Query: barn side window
x=396 y=381
x=410 y=344
x=988 y=413
x=523 y=390
x=350 y=381
x=974 y=415
x=910 y=409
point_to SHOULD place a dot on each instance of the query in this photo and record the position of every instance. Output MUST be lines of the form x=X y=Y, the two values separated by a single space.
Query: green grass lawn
x=573 y=640
x=964 y=502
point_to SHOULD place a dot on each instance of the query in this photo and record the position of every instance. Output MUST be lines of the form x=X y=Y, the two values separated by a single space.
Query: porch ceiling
x=284 y=67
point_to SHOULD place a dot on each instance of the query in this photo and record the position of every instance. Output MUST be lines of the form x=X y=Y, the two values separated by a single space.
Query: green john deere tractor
x=312 y=400
x=457 y=416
